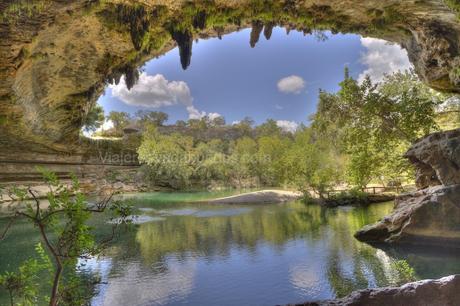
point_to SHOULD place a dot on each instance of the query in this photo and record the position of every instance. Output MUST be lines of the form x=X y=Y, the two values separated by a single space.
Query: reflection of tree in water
x=353 y=265
x=428 y=262
x=349 y=264
x=218 y=235
x=274 y=225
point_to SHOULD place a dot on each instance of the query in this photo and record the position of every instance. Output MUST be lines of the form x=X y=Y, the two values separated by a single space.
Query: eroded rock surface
x=441 y=292
x=430 y=215
x=437 y=159
x=58 y=55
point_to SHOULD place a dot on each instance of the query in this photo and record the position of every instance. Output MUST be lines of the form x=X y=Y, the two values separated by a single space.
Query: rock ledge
x=440 y=292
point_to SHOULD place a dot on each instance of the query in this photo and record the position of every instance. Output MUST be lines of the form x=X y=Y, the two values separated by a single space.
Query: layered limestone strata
x=440 y=292
x=57 y=56
x=430 y=215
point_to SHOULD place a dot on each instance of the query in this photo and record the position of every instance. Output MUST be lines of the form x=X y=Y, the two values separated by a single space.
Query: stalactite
x=131 y=76
x=219 y=31
x=268 y=30
x=257 y=27
x=199 y=21
x=185 y=42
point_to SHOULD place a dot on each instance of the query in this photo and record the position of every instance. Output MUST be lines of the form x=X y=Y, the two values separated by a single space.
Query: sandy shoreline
x=262 y=196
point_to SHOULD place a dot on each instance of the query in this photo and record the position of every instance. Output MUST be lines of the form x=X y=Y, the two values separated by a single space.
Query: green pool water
x=182 y=253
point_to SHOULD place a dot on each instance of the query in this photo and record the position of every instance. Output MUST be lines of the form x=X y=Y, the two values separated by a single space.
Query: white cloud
x=107 y=125
x=291 y=85
x=213 y=116
x=154 y=91
x=193 y=113
x=382 y=58
x=287 y=126
x=236 y=122
x=279 y=107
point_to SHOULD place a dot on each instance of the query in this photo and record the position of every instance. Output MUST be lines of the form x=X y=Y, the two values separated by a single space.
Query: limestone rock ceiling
x=57 y=56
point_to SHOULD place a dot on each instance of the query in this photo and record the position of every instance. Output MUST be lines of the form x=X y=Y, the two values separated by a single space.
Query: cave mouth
x=262 y=73
x=60 y=56
x=76 y=49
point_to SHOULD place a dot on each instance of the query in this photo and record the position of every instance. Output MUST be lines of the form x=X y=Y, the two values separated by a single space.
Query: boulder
x=441 y=292
x=437 y=159
x=431 y=215
x=428 y=216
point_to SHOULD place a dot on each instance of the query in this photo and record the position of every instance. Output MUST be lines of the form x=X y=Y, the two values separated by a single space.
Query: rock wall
x=437 y=159
x=57 y=56
x=441 y=292
x=431 y=215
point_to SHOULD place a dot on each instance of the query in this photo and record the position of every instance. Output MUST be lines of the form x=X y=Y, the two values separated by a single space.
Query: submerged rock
x=431 y=215
x=440 y=292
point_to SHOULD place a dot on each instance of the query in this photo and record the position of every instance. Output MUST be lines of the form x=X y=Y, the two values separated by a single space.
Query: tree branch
x=8 y=226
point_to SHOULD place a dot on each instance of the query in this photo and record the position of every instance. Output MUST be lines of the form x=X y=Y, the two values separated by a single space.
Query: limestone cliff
x=430 y=215
x=57 y=56
x=440 y=292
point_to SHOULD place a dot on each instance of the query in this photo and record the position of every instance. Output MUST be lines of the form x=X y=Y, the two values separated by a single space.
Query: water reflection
x=255 y=254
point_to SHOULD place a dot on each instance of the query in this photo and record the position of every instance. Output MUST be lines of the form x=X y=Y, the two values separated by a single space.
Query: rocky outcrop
x=351 y=200
x=58 y=55
x=441 y=292
x=428 y=216
x=97 y=180
x=431 y=215
x=436 y=159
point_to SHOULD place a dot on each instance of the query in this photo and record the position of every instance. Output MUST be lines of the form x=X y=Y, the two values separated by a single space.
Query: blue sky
x=229 y=78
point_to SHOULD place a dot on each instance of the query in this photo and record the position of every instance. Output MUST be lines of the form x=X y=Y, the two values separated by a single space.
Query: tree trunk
x=54 y=293
x=57 y=276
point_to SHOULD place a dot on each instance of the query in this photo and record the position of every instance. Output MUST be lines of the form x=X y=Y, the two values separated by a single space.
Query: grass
x=23 y=8
x=454 y=5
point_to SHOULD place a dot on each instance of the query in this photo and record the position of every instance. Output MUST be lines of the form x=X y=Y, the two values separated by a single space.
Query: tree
x=242 y=159
x=181 y=123
x=210 y=162
x=245 y=126
x=310 y=164
x=373 y=119
x=169 y=157
x=149 y=117
x=218 y=121
x=198 y=124
x=120 y=120
x=268 y=128
x=23 y=285
x=270 y=164
x=94 y=119
x=63 y=229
